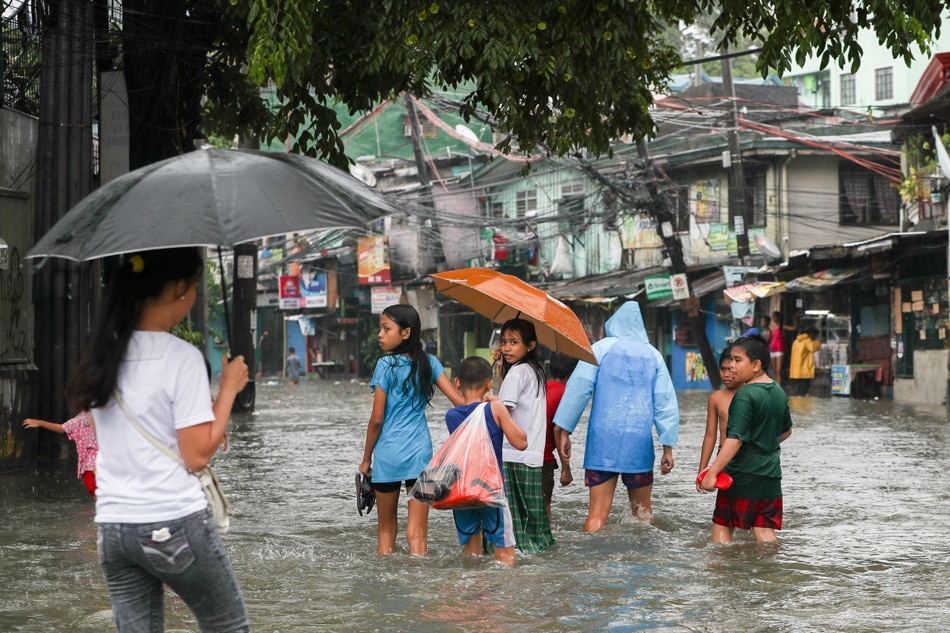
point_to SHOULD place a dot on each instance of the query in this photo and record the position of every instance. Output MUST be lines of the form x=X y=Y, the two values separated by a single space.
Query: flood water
x=865 y=545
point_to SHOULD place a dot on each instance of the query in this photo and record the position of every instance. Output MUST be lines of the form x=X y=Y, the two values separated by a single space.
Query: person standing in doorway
x=633 y=394
x=801 y=368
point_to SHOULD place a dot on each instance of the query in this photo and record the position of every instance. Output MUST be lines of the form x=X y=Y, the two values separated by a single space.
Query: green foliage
x=186 y=332
x=560 y=75
x=369 y=343
x=921 y=167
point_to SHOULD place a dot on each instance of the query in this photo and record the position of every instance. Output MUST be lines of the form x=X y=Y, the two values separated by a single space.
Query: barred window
x=847 y=90
x=883 y=84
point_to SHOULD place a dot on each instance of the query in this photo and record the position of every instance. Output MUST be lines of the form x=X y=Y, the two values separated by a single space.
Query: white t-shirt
x=164 y=383
x=519 y=392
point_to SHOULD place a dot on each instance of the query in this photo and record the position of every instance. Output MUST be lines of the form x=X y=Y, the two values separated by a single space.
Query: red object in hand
x=723 y=480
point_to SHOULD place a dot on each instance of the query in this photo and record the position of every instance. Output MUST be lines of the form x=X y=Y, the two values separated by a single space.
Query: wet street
x=865 y=545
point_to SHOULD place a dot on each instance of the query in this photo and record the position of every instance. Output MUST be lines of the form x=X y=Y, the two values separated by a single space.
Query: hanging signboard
x=289 y=292
x=680 y=286
x=382 y=297
x=658 y=287
x=313 y=288
x=373 y=260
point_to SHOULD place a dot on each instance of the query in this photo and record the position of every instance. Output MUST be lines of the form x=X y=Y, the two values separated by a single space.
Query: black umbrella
x=212 y=197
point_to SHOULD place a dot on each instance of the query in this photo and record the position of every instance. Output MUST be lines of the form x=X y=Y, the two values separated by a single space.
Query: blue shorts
x=494 y=523
x=630 y=480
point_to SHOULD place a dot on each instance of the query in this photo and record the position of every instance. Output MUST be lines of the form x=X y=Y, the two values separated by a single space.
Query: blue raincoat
x=632 y=392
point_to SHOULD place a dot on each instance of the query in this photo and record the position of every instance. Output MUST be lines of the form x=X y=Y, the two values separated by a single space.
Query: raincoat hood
x=627 y=323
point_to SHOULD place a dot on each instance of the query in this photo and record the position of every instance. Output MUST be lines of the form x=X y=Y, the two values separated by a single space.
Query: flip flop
x=365 y=495
x=723 y=480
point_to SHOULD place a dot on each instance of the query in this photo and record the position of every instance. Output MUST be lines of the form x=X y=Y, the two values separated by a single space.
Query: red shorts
x=742 y=513
x=89 y=480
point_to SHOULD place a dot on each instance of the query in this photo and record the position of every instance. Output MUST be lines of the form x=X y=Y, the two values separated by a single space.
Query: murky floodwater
x=866 y=545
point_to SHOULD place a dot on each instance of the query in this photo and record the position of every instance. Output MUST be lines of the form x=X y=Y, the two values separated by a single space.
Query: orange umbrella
x=501 y=297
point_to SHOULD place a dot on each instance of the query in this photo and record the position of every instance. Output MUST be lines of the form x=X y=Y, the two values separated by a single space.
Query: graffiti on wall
x=13 y=334
x=695 y=370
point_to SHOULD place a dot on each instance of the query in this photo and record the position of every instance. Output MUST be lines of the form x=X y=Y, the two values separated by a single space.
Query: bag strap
x=151 y=438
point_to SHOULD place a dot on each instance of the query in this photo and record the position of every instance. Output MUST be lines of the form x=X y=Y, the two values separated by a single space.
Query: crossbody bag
x=220 y=507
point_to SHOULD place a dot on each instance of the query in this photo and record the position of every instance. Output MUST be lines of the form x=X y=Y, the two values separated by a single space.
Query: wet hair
x=533 y=357
x=139 y=278
x=725 y=355
x=561 y=366
x=419 y=379
x=755 y=347
x=473 y=372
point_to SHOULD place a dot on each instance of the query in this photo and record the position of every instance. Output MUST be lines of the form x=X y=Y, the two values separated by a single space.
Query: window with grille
x=491 y=208
x=883 y=84
x=525 y=201
x=756 y=196
x=866 y=197
x=847 y=90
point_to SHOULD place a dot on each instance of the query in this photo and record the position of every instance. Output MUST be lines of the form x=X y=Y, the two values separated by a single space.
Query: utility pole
x=664 y=218
x=244 y=307
x=65 y=294
x=738 y=202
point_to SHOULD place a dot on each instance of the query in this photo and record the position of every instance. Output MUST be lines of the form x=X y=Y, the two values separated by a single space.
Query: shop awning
x=821 y=280
x=750 y=292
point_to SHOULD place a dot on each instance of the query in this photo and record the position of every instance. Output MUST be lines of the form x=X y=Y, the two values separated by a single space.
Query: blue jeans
x=138 y=558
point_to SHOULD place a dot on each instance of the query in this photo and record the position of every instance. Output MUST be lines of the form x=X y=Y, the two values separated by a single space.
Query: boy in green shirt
x=759 y=421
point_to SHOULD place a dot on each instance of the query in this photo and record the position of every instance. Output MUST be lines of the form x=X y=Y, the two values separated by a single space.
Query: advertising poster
x=289 y=292
x=718 y=238
x=695 y=370
x=313 y=288
x=373 y=260
x=706 y=199
x=639 y=231
x=382 y=297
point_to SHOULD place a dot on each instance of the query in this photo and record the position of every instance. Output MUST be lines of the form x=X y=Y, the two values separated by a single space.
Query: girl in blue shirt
x=398 y=445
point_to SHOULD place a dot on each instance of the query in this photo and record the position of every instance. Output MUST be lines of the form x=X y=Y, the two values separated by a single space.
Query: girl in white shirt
x=523 y=392
x=154 y=524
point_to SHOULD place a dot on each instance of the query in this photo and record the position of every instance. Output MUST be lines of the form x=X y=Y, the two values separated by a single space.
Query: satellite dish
x=466 y=133
x=362 y=173
x=767 y=247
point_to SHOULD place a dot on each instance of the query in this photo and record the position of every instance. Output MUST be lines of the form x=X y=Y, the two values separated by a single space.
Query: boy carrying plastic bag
x=465 y=474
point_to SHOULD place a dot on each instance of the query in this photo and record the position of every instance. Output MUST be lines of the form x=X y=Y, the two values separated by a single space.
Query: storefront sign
x=658 y=287
x=840 y=380
x=289 y=292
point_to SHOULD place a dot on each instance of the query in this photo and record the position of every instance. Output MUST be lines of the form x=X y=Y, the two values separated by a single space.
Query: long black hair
x=140 y=277
x=419 y=380
x=528 y=335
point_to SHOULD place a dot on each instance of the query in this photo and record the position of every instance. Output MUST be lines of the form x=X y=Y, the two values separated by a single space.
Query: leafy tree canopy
x=557 y=74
